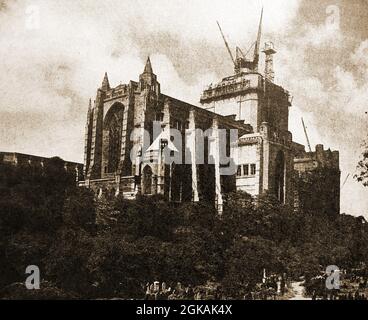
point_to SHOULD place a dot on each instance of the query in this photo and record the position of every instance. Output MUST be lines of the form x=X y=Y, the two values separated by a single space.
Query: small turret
x=105 y=83
x=148 y=80
x=148 y=67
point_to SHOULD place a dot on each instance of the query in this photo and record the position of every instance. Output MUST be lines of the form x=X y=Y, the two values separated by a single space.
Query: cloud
x=172 y=84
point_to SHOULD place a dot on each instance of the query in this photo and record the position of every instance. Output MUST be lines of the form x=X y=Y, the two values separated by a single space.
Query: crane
x=346 y=180
x=226 y=44
x=258 y=42
x=306 y=135
x=241 y=61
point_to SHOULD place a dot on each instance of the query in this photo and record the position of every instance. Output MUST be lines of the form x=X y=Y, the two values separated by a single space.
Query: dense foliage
x=45 y=220
x=362 y=173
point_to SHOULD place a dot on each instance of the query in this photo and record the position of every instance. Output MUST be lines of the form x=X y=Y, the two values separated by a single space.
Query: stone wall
x=317 y=181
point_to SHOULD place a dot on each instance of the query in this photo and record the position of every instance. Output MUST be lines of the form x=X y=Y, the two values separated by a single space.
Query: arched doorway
x=280 y=177
x=147 y=180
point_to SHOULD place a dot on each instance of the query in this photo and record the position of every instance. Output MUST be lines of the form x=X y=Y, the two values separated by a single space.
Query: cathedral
x=139 y=141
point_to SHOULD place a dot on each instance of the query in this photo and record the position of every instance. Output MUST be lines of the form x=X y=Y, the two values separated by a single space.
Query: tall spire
x=258 y=43
x=148 y=80
x=105 y=83
x=90 y=105
x=148 y=67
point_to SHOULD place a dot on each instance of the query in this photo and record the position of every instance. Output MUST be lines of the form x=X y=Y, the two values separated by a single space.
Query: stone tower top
x=148 y=67
x=105 y=83
x=148 y=80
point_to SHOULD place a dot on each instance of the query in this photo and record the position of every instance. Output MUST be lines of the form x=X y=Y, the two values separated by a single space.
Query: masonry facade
x=317 y=180
x=265 y=156
x=124 y=155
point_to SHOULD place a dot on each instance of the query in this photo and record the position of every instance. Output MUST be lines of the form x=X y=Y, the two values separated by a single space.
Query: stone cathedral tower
x=116 y=112
x=265 y=155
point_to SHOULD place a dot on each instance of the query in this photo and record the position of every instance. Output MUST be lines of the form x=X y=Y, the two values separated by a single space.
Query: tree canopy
x=45 y=220
x=362 y=174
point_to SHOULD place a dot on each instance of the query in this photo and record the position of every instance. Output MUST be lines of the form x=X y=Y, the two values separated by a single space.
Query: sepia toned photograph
x=184 y=150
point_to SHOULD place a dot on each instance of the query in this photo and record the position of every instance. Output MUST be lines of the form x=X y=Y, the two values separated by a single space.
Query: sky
x=54 y=55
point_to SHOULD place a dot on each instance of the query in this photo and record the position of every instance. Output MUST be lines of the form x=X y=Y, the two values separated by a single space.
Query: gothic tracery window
x=114 y=127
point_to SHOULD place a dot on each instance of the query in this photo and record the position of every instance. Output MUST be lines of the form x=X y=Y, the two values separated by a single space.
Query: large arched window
x=114 y=144
x=113 y=127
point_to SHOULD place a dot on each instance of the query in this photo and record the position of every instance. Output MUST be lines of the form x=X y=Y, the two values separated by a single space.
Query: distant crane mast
x=226 y=44
x=240 y=61
x=258 y=43
x=346 y=180
x=306 y=135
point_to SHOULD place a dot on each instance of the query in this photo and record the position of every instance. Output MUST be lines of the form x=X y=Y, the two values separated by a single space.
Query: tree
x=362 y=175
x=79 y=209
x=66 y=261
x=120 y=268
x=146 y=216
x=246 y=260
